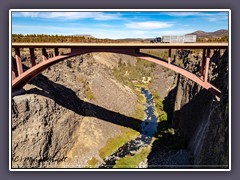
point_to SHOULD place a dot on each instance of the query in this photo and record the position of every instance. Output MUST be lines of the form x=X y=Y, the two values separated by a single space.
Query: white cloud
x=68 y=15
x=196 y=14
x=27 y=14
x=148 y=25
x=218 y=16
x=183 y=13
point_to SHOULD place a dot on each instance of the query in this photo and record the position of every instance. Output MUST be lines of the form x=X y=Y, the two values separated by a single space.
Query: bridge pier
x=203 y=63
x=169 y=55
x=56 y=52
x=207 y=66
x=18 y=61
x=44 y=54
x=33 y=62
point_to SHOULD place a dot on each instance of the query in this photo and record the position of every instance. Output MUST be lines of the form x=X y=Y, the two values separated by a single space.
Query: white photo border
x=113 y=10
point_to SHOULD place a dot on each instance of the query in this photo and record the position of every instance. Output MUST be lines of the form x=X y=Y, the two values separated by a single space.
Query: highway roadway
x=124 y=45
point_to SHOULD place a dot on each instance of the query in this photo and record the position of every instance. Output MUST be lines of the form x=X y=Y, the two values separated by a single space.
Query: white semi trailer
x=179 y=39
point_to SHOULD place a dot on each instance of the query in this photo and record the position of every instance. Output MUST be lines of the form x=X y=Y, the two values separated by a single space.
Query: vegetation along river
x=148 y=129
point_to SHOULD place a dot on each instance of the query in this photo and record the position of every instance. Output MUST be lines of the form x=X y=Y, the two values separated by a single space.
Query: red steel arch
x=19 y=81
x=27 y=75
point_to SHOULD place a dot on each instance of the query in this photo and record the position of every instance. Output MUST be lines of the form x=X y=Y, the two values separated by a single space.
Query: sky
x=117 y=24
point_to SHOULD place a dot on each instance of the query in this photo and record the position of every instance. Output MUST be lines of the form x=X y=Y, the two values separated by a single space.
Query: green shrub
x=162 y=116
x=133 y=161
x=130 y=74
x=158 y=106
x=113 y=144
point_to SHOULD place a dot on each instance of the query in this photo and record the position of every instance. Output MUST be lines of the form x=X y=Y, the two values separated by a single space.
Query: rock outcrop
x=202 y=119
x=67 y=114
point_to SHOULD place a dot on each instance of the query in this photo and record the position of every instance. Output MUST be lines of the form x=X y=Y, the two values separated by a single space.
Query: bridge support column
x=44 y=54
x=19 y=61
x=56 y=52
x=207 y=66
x=203 y=63
x=169 y=55
x=33 y=62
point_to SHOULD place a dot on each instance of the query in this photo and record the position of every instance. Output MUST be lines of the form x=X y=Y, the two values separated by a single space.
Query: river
x=148 y=129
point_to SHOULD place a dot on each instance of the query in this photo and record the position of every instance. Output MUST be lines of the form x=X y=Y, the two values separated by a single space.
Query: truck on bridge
x=175 y=39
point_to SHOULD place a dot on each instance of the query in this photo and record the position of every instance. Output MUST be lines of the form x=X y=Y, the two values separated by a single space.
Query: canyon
x=79 y=112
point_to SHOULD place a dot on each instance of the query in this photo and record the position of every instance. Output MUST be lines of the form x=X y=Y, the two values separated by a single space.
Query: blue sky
x=117 y=24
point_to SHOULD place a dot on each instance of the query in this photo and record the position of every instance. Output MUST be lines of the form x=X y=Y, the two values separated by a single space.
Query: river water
x=148 y=129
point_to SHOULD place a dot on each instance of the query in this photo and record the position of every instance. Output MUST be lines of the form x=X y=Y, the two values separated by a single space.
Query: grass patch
x=113 y=144
x=140 y=107
x=139 y=112
x=133 y=161
x=89 y=93
x=142 y=98
x=138 y=86
x=92 y=163
x=87 y=90
x=158 y=106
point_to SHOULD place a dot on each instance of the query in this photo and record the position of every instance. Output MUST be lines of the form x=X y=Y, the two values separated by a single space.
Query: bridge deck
x=124 y=45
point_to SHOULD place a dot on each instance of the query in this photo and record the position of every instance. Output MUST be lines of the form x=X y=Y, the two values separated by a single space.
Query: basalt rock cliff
x=201 y=119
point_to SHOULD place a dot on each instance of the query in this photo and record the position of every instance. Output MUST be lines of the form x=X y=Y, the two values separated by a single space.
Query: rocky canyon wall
x=201 y=118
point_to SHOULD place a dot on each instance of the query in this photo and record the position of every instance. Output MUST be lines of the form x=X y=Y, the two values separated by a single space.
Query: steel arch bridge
x=20 y=77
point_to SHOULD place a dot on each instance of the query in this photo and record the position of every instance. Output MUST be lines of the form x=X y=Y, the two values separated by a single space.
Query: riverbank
x=135 y=151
